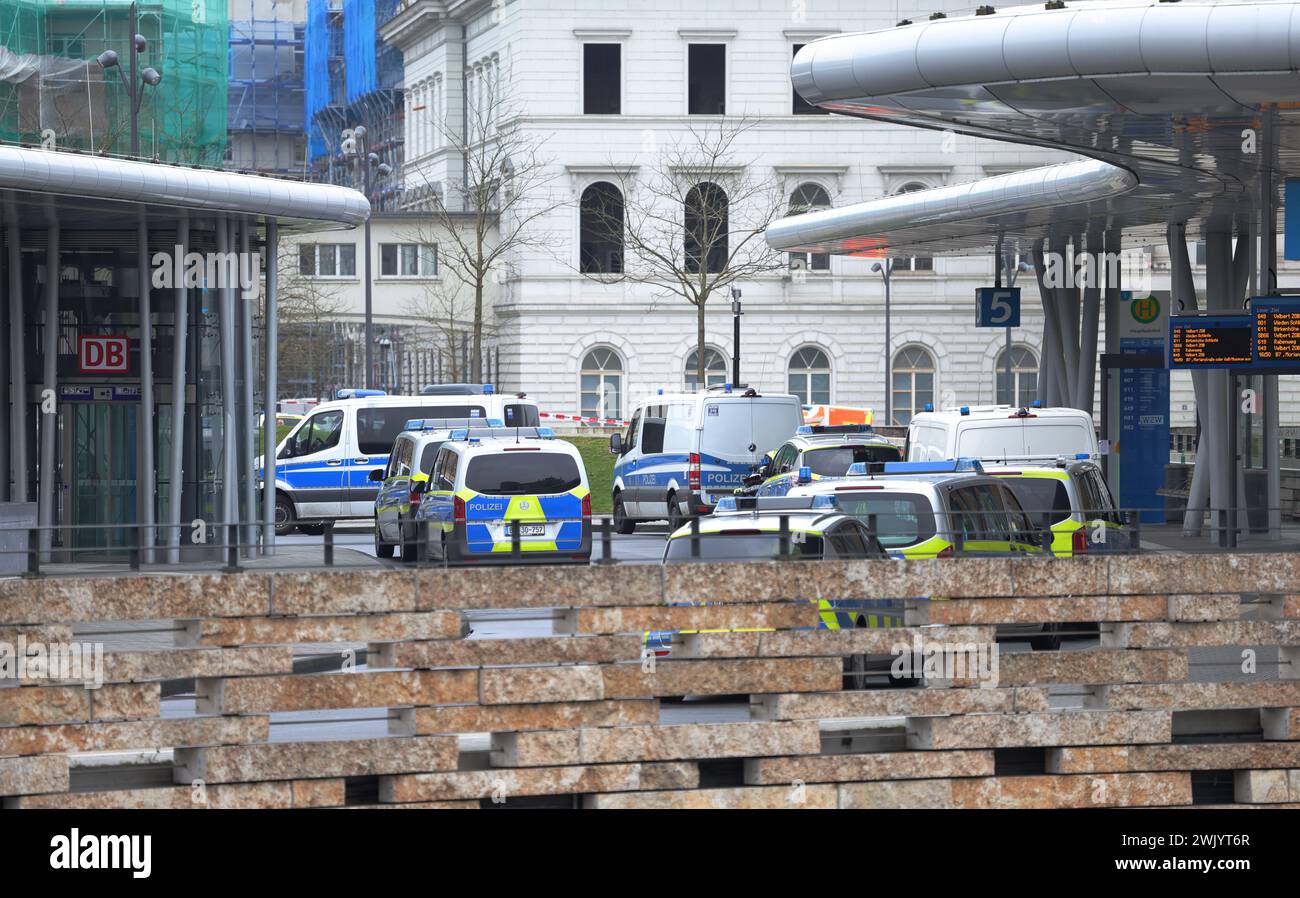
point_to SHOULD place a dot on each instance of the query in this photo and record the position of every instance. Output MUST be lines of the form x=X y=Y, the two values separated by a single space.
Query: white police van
x=684 y=451
x=1000 y=432
x=323 y=466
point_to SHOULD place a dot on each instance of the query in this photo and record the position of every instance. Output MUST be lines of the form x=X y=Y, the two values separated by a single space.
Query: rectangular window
x=327 y=260
x=802 y=106
x=408 y=260
x=602 y=79
x=707 y=79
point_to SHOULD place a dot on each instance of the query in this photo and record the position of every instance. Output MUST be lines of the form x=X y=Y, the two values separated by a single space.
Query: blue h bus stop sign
x=997 y=307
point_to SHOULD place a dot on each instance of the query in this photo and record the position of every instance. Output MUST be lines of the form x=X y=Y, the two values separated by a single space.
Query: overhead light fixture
x=151 y=76
x=107 y=59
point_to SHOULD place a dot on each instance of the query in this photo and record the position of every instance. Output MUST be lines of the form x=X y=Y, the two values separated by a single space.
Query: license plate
x=528 y=530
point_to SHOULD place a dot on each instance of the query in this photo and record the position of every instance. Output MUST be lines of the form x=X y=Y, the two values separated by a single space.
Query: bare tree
x=494 y=202
x=445 y=307
x=308 y=309
x=691 y=224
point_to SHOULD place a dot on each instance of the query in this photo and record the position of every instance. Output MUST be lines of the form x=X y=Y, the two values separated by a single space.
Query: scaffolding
x=54 y=94
x=267 y=124
x=353 y=78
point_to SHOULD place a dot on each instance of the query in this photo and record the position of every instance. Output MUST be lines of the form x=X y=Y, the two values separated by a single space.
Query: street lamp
x=356 y=147
x=735 y=334
x=150 y=76
x=885 y=271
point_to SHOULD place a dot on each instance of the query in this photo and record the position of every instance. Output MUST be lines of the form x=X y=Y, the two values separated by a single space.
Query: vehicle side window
x=995 y=513
x=408 y=452
x=784 y=459
x=395 y=460
x=850 y=540
x=968 y=519
x=1097 y=502
x=449 y=470
x=652 y=430
x=1022 y=530
x=320 y=432
x=632 y=431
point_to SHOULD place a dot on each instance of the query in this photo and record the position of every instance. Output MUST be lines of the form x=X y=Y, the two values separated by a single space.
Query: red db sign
x=102 y=355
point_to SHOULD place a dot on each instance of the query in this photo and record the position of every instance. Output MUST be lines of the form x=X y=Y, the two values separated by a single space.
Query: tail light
x=415 y=499
x=586 y=507
x=458 y=510
x=946 y=552
x=1079 y=542
x=693 y=471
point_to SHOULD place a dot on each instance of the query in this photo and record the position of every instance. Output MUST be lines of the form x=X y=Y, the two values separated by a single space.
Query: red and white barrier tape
x=580 y=419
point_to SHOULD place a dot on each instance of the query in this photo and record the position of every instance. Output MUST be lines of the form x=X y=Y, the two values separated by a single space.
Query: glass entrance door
x=100 y=466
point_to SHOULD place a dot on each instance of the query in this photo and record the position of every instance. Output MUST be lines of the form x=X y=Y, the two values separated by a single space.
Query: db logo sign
x=102 y=355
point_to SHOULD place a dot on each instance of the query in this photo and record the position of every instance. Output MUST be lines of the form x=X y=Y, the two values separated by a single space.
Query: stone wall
x=1130 y=720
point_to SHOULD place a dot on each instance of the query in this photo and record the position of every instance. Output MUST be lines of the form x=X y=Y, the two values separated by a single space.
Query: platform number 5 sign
x=997 y=307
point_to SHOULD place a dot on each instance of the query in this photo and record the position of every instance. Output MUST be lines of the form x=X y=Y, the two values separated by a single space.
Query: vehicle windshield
x=523 y=474
x=742 y=546
x=428 y=455
x=901 y=519
x=834 y=461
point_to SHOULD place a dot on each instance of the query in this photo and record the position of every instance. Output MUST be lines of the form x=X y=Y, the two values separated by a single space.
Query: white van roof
x=713 y=393
x=989 y=412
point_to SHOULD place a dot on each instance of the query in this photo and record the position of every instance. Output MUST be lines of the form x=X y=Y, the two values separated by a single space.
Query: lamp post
x=356 y=147
x=150 y=76
x=735 y=334
x=885 y=270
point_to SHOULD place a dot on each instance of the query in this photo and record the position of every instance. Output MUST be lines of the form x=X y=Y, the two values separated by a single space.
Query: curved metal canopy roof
x=1159 y=95
x=94 y=183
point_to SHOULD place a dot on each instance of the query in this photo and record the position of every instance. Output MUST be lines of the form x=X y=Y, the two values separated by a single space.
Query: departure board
x=1211 y=341
x=1277 y=331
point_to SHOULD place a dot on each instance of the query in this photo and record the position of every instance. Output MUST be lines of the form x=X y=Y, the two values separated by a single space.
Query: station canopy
x=1176 y=107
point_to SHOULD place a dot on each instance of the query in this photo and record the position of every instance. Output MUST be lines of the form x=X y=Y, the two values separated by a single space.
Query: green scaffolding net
x=54 y=94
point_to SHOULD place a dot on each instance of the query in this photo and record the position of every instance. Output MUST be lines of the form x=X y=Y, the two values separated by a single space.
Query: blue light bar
x=804 y=429
x=929 y=406
x=825 y=501
x=726 y=503
x=805 y=474
x=857 y=469
x=353 y=393
x=1037 y=403
x=965 y=409
x=546 y=433
x=1082 y=455
x=947 y=466
x=487 y=389
x=460 y=433
x=414 y=423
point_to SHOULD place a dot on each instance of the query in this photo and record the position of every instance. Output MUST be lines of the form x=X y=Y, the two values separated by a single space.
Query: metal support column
x=1087 y=373
x=146 y=473
x=5 y=431
x=248 y=369
x=1266 y=208
x=176 y=476
x=17 y=357
x=230 y=486
x=50 y=382
x=1050 y=367
x=271 y=339
x=1110 y=397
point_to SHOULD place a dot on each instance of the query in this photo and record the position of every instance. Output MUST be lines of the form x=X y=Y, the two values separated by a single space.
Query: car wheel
x=622 y=523
x=382 y=549
x=408 y=543
x=285 y=517
x=675 y=518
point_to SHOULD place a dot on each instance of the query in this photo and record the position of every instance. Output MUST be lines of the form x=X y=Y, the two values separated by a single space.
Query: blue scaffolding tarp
x=316 y=73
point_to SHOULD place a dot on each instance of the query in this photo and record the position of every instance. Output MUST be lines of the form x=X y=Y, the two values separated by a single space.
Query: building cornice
x=602 y=34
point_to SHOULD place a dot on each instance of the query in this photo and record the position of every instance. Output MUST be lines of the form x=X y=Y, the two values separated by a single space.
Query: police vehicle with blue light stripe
x=827 y=451
x=506 y=495
x=323 y=465
x=684 y=451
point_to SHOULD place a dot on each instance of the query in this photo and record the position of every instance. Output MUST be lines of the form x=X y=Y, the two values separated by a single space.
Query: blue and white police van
x=323 y=465
x=684 y=451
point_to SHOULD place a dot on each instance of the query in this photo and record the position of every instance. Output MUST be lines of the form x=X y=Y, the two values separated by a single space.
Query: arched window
x=706 y=228
x=715 y=368
x=913 y=263
x=809 y=376
x=912 y=382
x=600 y=238
x=1022 y=387
x=602 y=384
x=809 y=197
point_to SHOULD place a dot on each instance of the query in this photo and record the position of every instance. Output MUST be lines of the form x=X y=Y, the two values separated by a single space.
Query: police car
x=403 y=480
x=1071 y=499
x=494 y=488
x=931 y=509
x=824 y=451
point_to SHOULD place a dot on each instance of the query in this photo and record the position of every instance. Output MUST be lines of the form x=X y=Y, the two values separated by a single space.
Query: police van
x=1000 y=432
x=682 y=452
x=932 y=509
x=494 y=490
x=827 y=451
x=403 y=480
x=323 y=465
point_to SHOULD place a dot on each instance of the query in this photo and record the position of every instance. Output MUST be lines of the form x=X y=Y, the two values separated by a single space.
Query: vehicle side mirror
x=376 y=476
x=752 y=479
x=286 y=452
x=616 y=443
x=419 y=486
